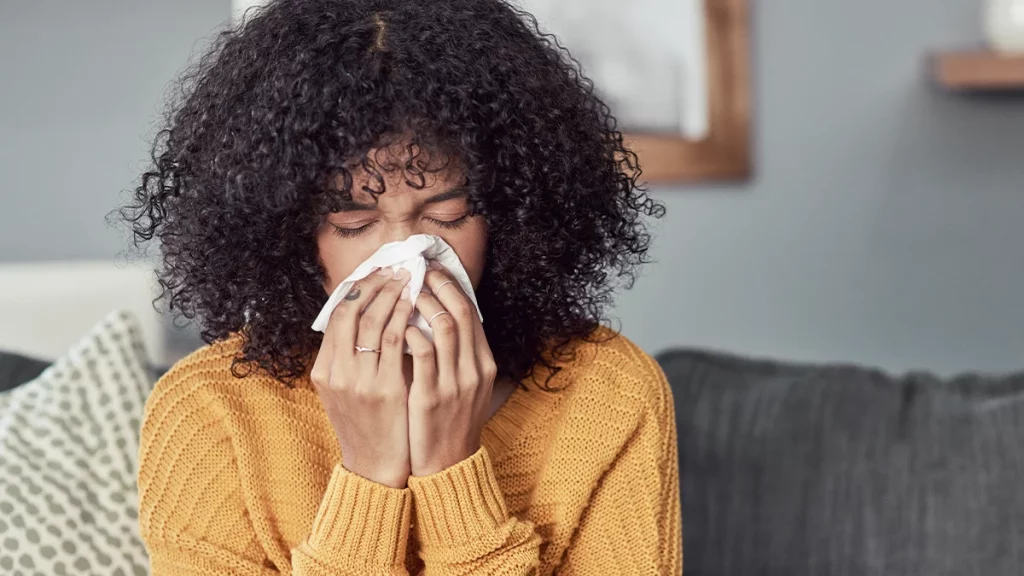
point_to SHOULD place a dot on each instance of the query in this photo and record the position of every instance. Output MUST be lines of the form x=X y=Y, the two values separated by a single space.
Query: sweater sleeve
x=192 y=513
x=633 y=523
x=361 y=528
x=464 y=527
x=192 y=516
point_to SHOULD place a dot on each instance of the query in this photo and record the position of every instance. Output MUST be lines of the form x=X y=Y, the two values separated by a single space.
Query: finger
x=392 y=344
x=320 y=373
x=455 y=301
x=446 y=343
x=341 y=373
x=345 y=316
x=485 y=358
x=424 y=367
x=373 y=320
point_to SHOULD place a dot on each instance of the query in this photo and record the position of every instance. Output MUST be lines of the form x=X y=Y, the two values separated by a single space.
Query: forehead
x=401 y=169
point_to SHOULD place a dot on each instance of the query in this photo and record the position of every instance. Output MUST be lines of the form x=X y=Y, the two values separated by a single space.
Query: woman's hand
x=364 y=393
x=452 y=378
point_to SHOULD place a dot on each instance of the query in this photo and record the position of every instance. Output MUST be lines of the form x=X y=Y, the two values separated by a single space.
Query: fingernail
x=385 y=272
x=401 y=274
x=434 y=265
x=405 y=293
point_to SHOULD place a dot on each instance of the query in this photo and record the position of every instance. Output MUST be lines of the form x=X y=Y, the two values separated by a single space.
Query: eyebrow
x=353 y=206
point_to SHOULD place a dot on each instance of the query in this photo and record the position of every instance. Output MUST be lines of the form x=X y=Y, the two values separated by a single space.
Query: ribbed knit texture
x=245 y=476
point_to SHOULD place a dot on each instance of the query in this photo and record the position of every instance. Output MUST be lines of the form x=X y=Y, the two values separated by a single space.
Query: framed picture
x=674 y=72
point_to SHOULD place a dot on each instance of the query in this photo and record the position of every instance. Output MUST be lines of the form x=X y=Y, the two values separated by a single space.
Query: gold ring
x=435 y=316
x=443 y=284
x=361 y=349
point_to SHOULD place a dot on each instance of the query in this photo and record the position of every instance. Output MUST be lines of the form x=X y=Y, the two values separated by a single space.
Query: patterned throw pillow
x=68 y=451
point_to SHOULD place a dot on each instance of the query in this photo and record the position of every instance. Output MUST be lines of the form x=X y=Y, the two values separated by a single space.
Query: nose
x=399 y=230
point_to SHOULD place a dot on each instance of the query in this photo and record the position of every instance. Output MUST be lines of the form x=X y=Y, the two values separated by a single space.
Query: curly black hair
x=283 y=105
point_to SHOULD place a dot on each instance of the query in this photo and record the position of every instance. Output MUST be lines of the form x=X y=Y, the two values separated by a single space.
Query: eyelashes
x=450 y=224
x=354 y=232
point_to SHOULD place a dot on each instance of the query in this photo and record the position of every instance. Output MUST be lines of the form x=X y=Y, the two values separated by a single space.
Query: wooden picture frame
x=725 y=154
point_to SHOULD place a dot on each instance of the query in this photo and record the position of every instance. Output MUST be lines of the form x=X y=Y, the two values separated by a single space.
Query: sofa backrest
x=809 y=470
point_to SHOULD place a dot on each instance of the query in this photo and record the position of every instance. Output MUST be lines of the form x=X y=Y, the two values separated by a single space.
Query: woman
x=533 y=443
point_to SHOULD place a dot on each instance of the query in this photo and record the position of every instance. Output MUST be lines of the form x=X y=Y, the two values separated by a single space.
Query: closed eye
x=450 y=224
x=352 y=232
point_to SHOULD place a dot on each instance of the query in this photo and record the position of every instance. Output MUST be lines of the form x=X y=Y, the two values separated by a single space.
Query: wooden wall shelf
x=978 y=71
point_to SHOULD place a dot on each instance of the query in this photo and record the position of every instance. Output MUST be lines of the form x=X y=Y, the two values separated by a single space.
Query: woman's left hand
x=452 y=379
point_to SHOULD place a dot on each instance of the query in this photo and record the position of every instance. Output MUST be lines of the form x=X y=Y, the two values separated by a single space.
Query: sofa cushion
x=807 y=470
x=68 y=452
x=16 y=369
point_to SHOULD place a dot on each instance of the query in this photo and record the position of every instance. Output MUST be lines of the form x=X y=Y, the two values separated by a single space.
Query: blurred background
x=882 y=224
x=814 y=320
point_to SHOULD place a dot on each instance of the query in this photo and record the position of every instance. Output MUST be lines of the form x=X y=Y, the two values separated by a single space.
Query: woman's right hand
x=364 y=393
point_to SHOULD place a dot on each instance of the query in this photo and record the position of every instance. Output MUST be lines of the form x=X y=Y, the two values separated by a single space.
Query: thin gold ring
x=443 y=284
x=362 y=349
x=435 y=316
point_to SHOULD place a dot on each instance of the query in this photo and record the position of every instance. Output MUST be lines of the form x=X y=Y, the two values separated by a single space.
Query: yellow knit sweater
x=244 y=476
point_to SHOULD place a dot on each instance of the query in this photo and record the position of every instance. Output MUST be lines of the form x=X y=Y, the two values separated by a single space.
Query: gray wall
x=885 y=222
x=882 y=226
x=80 y=86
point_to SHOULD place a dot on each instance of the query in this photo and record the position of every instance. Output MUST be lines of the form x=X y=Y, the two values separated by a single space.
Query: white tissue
x=411 y=254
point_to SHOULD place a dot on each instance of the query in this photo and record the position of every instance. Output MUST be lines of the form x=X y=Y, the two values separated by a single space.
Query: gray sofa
x=796 y=470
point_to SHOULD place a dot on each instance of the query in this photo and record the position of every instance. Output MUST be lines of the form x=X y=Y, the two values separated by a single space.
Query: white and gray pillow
x=68 y=459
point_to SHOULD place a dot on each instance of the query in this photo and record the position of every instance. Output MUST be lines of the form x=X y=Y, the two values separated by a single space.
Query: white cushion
x=45 y=307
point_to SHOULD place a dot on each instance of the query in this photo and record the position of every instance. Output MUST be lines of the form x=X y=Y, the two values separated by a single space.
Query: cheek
x=340 y=256
x=471 y=246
